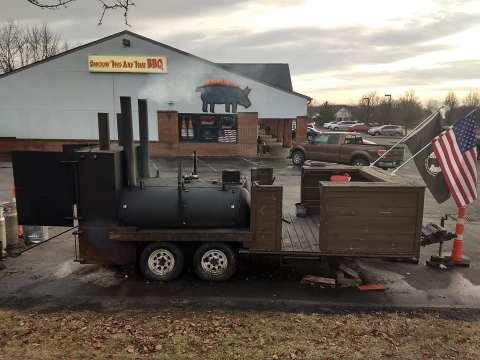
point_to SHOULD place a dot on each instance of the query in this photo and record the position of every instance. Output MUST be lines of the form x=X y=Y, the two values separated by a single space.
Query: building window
x=208 y=128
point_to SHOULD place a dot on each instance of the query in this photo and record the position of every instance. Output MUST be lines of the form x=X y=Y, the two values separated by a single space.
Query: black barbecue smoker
x=106 y=190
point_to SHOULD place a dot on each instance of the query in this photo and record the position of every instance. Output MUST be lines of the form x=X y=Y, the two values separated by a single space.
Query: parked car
x=311 y=132
x=345 y=148
x=386 y=130
x=328 y=124
x=358 y=128
x=342 y=125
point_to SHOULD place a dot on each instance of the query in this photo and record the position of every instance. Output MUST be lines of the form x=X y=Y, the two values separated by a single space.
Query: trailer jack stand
x=445 y=262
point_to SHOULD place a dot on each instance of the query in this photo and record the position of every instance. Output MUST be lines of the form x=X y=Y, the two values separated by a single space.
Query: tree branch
x=106 y=6
x=113 y=5
x=50 y=5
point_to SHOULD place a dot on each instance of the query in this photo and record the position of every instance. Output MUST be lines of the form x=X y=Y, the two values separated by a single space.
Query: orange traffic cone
x=457 y=251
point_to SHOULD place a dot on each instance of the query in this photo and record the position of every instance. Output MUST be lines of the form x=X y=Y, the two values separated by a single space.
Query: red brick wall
x=38 y=144
x=280 y=127
x=287 y=134
x=301 y=132
x=167 y=127
x=168 y=144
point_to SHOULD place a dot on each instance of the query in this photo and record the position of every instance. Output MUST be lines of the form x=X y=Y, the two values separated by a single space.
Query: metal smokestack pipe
x=121 y=141
x=143 y=129
x=104 y=131
x=127 y=129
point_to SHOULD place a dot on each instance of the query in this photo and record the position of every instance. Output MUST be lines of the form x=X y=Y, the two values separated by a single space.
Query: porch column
x=301 y=132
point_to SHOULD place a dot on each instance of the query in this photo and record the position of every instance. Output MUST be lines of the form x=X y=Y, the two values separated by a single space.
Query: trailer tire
x=215 y=262
x=298 y=157
x=162 y=261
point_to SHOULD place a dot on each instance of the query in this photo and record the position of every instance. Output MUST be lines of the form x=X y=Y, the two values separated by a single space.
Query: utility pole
x=367 y=120
x=389 y=108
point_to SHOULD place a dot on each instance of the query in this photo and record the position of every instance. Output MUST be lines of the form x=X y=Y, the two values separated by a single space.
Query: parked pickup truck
x=345 y=148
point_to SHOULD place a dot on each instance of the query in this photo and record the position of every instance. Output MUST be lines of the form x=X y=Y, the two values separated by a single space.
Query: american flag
x=227 y=136
x=456 y=152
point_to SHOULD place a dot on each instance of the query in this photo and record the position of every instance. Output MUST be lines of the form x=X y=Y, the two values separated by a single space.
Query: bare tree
x=409 y=110
x=106 y=5
x=472 y=99
x=22 y=45
x=42 y=43
x=452 y=102
x=11 y=47
x=369 y=103
x=432 y=105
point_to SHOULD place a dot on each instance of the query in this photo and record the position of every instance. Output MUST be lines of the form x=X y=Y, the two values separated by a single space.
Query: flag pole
x=426 y=145
x=426 y=120
x=457 y=250
x=413 y=157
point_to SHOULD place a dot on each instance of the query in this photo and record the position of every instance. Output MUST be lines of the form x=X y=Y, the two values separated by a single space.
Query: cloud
x=221 y=31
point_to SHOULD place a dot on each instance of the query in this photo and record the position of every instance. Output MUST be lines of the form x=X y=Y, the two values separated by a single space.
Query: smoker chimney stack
x=143 y=129
x=127 y=139
x=121 y=141
x=104 y=131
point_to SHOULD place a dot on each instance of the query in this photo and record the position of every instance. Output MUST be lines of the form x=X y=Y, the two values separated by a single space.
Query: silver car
x=342 y=125
x=386 y=130
x=331 y=123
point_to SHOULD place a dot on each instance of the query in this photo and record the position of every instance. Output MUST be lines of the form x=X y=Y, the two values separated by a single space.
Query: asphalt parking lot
x=48 y=276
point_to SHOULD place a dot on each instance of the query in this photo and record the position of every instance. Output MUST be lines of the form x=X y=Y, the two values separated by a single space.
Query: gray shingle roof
x=277 y=75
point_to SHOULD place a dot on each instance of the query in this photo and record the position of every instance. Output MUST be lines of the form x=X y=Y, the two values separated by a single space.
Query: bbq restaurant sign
x=127 y=64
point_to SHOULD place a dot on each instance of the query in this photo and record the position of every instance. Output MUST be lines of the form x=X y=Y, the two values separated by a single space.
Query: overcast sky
x=337 y=50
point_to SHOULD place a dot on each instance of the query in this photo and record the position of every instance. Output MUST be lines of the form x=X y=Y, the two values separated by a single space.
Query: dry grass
x=237 y=335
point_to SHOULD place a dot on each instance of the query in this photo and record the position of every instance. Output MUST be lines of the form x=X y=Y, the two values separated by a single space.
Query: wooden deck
x=300 y=234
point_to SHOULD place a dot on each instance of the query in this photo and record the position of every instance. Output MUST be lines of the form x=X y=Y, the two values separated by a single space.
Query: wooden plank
x=374 y=211
x=307 y=233
x=314 y=228
x=373 y=244
x=381 y=199
x=318 y=280
x=286 y=240
x=296 y=241
x=401 y=225
x=297 y=233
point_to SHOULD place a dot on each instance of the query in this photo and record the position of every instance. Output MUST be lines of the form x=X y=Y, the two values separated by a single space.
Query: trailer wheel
x=298 y=157
x=215 y=262
x=161 y=261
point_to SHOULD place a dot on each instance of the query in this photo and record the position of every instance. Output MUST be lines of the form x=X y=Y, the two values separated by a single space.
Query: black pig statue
x=223 y=92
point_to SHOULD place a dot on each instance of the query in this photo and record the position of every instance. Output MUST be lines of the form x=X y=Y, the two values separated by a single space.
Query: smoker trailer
x=126 y=217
